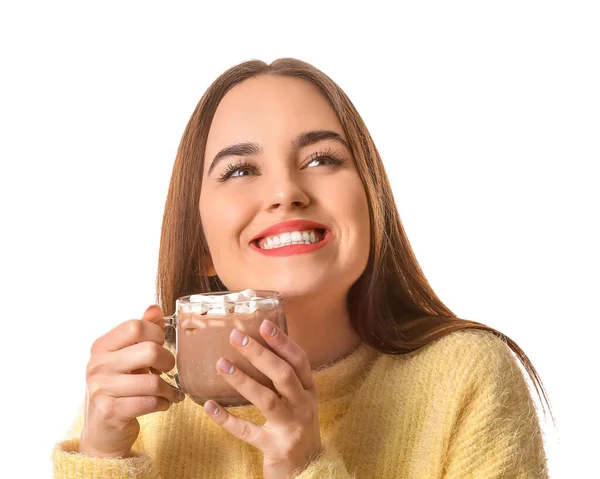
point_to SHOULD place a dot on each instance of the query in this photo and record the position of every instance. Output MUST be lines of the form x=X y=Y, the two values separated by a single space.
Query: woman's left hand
x=290 y=438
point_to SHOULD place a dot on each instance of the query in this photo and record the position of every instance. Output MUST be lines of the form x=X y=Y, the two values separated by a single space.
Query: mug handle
x=171 y=345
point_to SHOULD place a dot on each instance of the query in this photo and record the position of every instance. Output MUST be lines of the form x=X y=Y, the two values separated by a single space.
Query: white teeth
x=285 y=238
x=292 y=237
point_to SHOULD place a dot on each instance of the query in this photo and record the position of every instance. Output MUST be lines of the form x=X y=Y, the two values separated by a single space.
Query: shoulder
x=462 y=348
x=463 y=360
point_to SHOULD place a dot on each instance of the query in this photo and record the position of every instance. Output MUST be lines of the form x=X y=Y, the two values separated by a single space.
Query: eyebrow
x=302 y=140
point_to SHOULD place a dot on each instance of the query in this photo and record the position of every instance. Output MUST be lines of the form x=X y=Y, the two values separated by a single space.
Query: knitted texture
x=459 y=407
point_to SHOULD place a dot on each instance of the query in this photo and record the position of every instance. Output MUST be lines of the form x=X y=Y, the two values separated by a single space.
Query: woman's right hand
x=120 y=387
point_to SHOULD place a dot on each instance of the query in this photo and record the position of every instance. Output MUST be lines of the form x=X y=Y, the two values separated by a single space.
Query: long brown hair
x=392 y=306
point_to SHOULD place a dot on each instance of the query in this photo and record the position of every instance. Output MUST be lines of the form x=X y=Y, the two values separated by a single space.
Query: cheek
x=224 y=215
x=347 y=201
x=362 y=243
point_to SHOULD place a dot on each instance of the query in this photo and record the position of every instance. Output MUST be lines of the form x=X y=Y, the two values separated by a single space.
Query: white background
x=486 y=115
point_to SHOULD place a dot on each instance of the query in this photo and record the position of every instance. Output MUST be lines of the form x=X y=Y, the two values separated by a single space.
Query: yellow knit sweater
x=458 y=408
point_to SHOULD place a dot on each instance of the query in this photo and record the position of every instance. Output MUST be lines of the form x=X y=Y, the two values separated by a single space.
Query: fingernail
x=181 y=396
x=269 y=327
x=212 y=408
x=225 y=366
x=238 y=337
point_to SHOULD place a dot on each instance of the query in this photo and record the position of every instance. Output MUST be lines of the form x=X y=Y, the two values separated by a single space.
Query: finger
x=278 y=370
x=137 y=406
x=267 y=401
x=128 y=333
x=154 y=314
x=290 y=351
x=147 y=354
x=129 y=385
x=243 y=429
x=144 y=355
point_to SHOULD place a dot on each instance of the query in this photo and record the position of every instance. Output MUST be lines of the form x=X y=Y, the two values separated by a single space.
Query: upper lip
x=291 y=225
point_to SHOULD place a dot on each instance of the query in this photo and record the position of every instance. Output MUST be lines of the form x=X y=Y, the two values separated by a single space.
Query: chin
x=292 y=285
x=297 y=282
x=294 y=292
x=291 y=291
x=293 y=288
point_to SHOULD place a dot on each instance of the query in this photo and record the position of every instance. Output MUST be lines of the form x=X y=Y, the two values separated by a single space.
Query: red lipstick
x=292 y=249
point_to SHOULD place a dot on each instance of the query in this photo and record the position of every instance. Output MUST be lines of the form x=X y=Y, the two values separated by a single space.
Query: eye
x=320 y=161
x=239 y=172
x=238 y=169
x=324 y=158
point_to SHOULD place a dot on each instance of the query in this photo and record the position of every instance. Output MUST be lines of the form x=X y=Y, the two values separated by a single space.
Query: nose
x=286 y=193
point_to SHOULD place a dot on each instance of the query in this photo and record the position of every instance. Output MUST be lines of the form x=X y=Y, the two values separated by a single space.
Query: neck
x=321 y=327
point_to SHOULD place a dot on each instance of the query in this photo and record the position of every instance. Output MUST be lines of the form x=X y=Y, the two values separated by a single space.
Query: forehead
x=270 y=110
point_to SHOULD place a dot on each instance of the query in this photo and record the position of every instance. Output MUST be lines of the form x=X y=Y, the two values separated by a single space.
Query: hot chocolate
x=203 y=337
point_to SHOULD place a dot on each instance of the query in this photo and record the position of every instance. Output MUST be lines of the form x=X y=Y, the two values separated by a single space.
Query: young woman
x=376 y=377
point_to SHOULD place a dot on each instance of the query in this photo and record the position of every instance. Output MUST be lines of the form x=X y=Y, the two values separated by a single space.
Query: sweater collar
x=344 y=375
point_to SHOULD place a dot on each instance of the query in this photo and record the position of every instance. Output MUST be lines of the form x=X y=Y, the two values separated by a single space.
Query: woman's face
x=259 y=203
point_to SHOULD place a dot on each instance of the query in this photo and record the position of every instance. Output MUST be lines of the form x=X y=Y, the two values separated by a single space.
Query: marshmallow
x=233 y=297
x=267 y=304
x=247 y=294
x=220 y=299
x=247 y=309
x=195 y=308
x=197 y=298
x=224 y=304
x=209 y=298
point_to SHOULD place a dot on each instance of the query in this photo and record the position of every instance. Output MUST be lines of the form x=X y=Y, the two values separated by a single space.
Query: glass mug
x=200 y=332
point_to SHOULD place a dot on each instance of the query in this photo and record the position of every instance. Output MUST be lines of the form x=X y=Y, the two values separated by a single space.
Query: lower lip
x=293 y=249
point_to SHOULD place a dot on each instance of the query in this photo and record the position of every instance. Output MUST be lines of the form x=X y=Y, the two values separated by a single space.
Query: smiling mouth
x=289 y=238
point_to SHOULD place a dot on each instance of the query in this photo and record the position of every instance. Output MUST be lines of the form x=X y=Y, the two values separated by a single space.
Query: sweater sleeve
x=497 y=434
x=69 y=463
x=329 y=465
